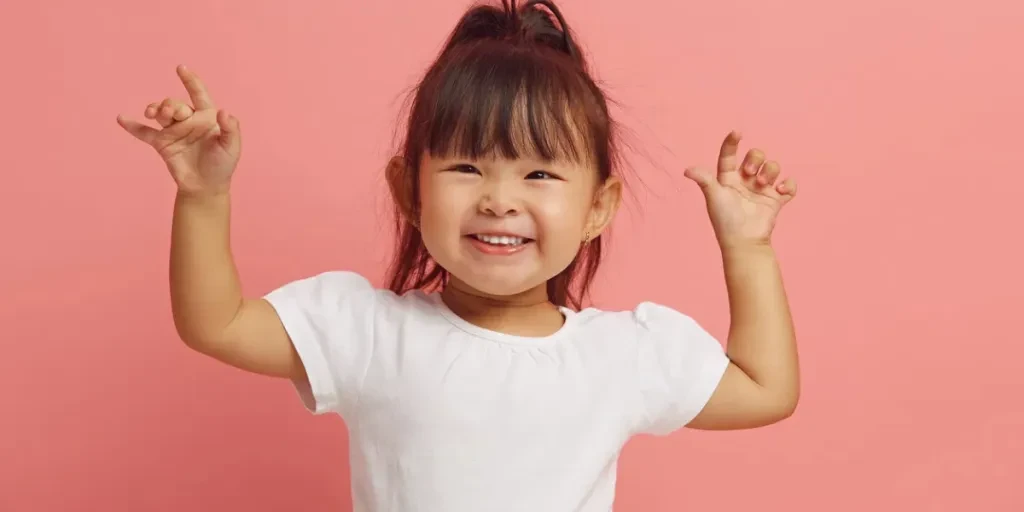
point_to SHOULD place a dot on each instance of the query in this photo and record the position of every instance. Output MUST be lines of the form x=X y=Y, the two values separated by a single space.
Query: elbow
x=778 y=404
x=201 y=342
x=193 y=342
x=201 y=336
x=205 y=333
x=787 y=410
x=786 y=407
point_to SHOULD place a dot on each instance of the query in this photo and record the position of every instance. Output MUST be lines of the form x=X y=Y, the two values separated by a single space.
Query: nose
x=498 y=200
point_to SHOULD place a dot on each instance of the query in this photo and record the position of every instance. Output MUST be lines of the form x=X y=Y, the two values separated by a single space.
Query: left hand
x=743 y=200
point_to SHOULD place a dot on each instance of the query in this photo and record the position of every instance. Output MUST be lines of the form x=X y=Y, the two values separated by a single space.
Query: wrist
x=743 y=259
x=747 y=248
x=202 y=198
x=203 y=204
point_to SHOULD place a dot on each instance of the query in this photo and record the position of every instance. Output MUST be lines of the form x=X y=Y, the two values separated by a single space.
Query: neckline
x=475 y=330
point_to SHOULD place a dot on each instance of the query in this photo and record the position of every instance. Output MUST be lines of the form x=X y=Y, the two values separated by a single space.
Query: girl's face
x=504 y=227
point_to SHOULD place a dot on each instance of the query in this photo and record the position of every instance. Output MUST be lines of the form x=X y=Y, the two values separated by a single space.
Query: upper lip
x=499 y=233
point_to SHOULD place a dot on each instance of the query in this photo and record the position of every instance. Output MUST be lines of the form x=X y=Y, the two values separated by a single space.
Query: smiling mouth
x=502 y=240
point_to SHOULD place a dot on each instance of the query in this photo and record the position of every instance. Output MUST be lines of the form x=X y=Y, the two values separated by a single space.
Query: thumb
x=142 y=132
x=702 y=177
x=230 y=134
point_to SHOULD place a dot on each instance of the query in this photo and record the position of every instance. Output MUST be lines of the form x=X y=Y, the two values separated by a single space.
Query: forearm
x=205 y=289
x=762 y=341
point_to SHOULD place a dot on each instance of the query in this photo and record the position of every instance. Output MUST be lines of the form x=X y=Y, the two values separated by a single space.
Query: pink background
x=902 y=254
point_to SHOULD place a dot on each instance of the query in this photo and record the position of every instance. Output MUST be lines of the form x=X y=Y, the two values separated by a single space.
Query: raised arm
x=762 y=383
x=210 y=313
x=200 y=146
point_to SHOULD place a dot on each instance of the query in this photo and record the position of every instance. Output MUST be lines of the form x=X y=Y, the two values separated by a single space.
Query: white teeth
x=501 y=240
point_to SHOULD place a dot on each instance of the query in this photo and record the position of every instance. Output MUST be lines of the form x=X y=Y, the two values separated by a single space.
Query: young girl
x=476 y=381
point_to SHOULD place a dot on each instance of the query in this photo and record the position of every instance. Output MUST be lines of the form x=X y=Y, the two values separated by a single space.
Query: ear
x=402 y=189
x=607 y=198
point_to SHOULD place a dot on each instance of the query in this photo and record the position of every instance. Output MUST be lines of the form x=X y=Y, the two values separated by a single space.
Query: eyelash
x=466 y=168
x=463 y=168
x=548 y=174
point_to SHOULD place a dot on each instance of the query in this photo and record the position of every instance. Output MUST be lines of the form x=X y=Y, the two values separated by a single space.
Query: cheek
x=435 y=221
x=562 y=216
x=441 y=206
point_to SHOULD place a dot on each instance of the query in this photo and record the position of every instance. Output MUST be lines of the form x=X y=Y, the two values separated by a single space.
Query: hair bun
x=534 y=22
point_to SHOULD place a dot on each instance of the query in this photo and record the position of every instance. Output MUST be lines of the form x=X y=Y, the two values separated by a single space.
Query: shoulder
x=651 y=316
x=644 y=319
x=329 y=286
x=342 y=290
x=650 y=331
x=325 y=293
x=333 y=282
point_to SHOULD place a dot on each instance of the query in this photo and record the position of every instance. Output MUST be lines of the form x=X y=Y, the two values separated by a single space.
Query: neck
x=528 y=313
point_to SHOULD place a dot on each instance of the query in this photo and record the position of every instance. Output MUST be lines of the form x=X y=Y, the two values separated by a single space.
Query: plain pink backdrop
x=902 y=253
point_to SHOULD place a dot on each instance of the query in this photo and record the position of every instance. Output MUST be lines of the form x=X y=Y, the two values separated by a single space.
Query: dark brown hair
x=509 y=81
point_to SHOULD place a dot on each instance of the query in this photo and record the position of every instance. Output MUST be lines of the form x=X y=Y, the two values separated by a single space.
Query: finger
x=769 y=173
x=151 y=110
x=171 y=111
x=196 y=89
x=752 y=163
x=727 y=154
x=182 y=112
x=165 y=112
x=230 y=134
x=702 y=177
x=787 y=189
x=140 y=131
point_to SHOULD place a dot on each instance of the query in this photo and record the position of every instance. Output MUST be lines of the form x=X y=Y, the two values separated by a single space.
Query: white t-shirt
x=445 y=416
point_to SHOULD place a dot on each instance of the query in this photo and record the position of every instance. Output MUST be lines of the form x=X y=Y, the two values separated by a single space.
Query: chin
x=503 y=285
x=500 y=275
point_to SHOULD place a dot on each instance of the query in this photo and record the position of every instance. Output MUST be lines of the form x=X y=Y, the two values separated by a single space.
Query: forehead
x=517 y=107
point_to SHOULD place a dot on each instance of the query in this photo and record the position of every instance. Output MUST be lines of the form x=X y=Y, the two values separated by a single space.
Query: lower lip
x=499 y=250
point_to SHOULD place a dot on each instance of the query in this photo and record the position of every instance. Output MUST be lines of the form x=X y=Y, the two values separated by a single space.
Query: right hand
x=199 y=143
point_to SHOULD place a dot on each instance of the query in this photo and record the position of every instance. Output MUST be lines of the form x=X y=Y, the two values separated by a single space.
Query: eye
x=465 y=169
x=541 y=175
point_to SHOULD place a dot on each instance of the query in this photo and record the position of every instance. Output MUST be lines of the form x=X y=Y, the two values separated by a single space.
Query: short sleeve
x=329 y=320
x=679 y=367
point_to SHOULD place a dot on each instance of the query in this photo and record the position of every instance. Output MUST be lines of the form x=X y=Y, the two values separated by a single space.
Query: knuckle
x=756 y=154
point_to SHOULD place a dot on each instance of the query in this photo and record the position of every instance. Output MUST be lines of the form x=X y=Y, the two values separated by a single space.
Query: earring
x=586 y=238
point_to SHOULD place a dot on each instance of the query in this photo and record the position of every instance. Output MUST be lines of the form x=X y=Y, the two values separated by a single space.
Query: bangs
x=492 y=99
